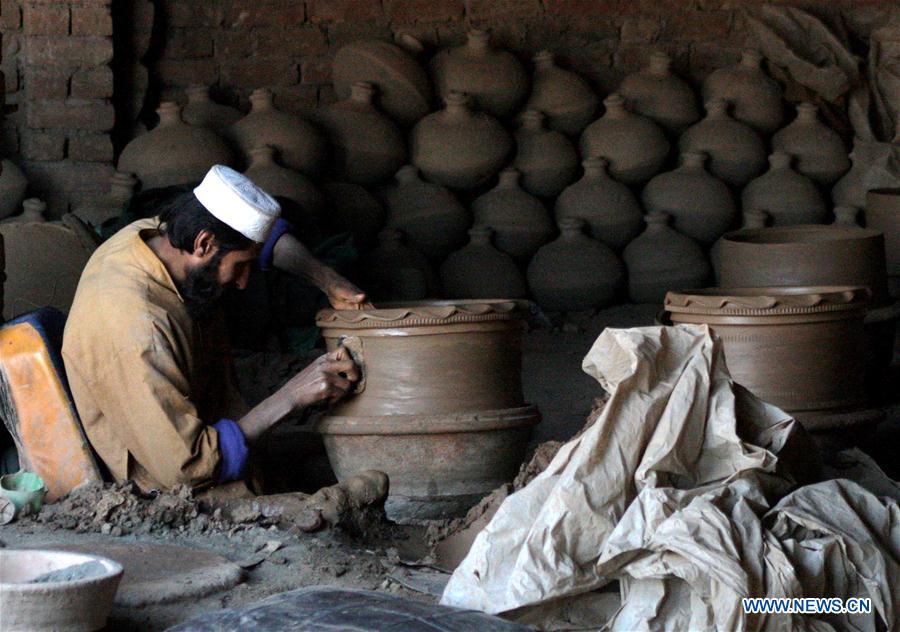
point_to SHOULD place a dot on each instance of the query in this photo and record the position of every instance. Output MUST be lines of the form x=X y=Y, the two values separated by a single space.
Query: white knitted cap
x=233 y=198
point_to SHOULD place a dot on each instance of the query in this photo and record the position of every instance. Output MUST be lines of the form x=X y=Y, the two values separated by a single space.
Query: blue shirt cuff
x=267 y=253
x=233 y=448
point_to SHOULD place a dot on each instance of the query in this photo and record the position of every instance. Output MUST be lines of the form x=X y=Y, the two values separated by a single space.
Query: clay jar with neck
x=846 y=216
x=520 y=221
x=285 y=183
x=547 y=159
x=494 y=78
x=736 y=153
x=33 y=210
x=662 y=260
x=575 y=272
x=755 y=97
x=458 y=147
x=702 y=205
x=609 y=208
x=393 y=271
x=481 y=271
x=366 y=146
x=12 y=188
x=790 y=198
x=299 y=144
x=752 y=218
x=658 y=94
x=203 y=111
x=635 y=146
x=819 y=151
x=352 y=209
x=564 y=97
x=173 y=152
x=433 y=220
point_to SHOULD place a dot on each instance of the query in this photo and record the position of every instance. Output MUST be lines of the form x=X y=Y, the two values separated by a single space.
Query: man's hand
x=328 y=378
x=344 y=295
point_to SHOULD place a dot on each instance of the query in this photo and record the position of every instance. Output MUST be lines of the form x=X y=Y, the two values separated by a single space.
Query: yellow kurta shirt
x=146 y=379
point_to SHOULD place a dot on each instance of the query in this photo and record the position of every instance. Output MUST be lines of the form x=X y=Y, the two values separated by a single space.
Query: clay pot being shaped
x=204 y=112
x=575 y=272
x=520 y=221
x=819 y=151
x=459 y=148
x=404 y=91
x=635 y=146
x=494 y=78
x=393 y=271
x=547 y=159
x=659 y=95
x=883 y=214
x=752 y=218
x=12 y=188
x=479 y=270
x=352 y=209
x=662 y=259
x=790 y=198
x=846 y=216
x=755 y=97
x=173 y=152
x=434 y=222
x=299 y=144
x=564 y=97
x=285 y=183
x=366 y=146
x=610 y=209
x=737 y=154
x=702 y=205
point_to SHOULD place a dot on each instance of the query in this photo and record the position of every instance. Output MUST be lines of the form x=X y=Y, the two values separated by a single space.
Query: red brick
x=91 y=21
x=591 y=8
x=91 y=148
x=233 y=44
x=96 y=83
x=9 y=135
x=277 y=42
x=46 y=83
x=345 y=10
x=91 y=116
x=296 y=99
x=10 y=15
x=262 y=13
x=43 y=145
x=698 y=26
x=260 y=71
x=184 y=13
x=411 y=11
x=326 y=96
x=60 y=183
x=315 y=71
x=189 y=44
x=340 y=33
x=71 y=52
x=46 y=19
x=641 y=28
x=188 y=72
x=502 y=10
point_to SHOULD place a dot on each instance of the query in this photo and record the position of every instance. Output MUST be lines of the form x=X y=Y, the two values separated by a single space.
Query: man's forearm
x=264 y=415
x=293 y=257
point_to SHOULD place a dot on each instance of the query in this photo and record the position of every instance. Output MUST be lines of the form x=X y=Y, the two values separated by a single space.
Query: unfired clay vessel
x=300 y=145
x=567 y=100
x=610 y=209
x=789 y=197
x=394 y=271
x=754 y=96
x=752 y=218
x=431 y=217
x=494 y=78
x=203 y=111
x=440 y=410
x=121 y=188
x=520 y=221
x=883 y=214
x=547 y=159
x=12 y=188
x=846 y=216
x=575 y=272
x=458 y=147
x=658 y=94
x=404 y=91
x=702 y=206
x=662 y=259
x=283 y=182
x=173 y=152
x=737 y=154
x=351 y=208
x=635 y=146
x=479 y=270
x=819 y=150
x=33 y=210
x=366 y=146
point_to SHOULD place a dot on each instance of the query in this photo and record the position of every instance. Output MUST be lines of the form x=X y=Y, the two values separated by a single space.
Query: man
x=144 y=344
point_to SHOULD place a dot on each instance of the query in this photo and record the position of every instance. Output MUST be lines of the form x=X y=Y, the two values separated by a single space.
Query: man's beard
x=201 y=289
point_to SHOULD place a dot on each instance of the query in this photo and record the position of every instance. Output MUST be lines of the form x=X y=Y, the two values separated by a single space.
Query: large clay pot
x=520 y=221
x=351 y=208
x=635 y=146
x=300 y=145
x=404 y=91
x=575 y=272
x=564 y=97
x=789 y=197
x=479 y=270
x=754 y=96
x=752 y=218
x=204 y=112
x=395 y=272
x=883 y=214
x=33 y=210
x=440 y=410
x=800 y=348
x=173 y=152
x=737 y=153
x=12 y=188
x=434 y=221
x=285 y=183
x=494 y=78
x=610 y=209
x=459 y=148
x=366 y=146
x=819 y=150
x=663 y=259
x=702 y=205
x=658 y=94
x=547 y=159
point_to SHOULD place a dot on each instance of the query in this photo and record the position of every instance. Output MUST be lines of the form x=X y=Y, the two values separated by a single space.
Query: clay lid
x=421 y=314
x=761 y=301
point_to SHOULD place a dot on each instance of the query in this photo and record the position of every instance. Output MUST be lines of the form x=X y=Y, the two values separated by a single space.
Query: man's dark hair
x=182 y=219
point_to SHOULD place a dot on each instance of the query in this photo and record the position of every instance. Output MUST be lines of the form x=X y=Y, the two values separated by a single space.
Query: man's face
x=211 y=274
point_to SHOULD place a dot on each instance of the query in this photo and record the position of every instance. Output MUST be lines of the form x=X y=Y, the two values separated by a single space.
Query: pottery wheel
x=160 y=573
